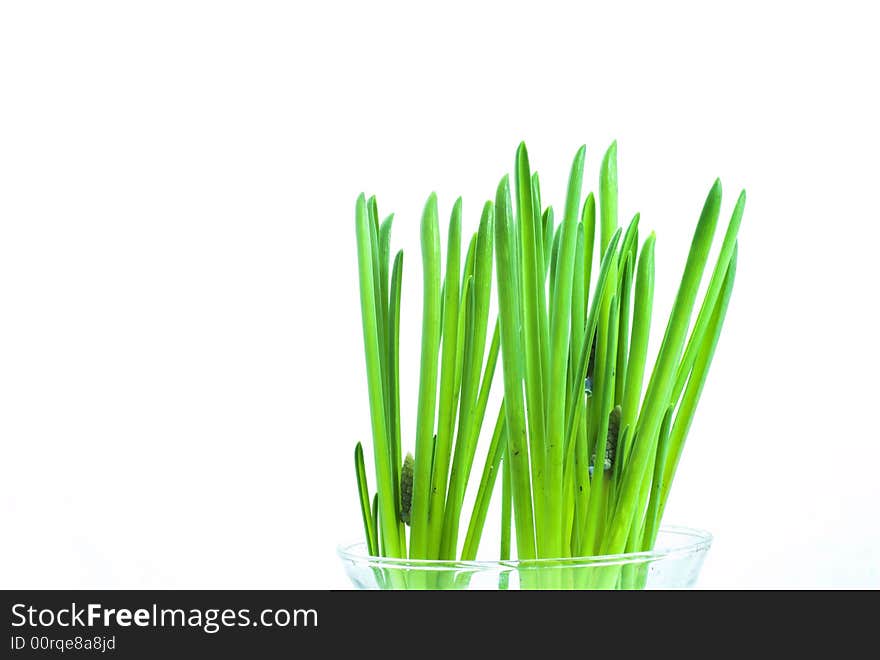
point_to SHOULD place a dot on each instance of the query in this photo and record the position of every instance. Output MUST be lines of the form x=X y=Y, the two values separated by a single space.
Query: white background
x=181 y=366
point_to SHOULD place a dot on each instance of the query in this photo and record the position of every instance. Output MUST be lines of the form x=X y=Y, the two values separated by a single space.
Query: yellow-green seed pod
x=613 y=433
x=406 y=484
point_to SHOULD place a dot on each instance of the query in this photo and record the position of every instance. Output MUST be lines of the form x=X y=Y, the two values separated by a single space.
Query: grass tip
x=611 y=153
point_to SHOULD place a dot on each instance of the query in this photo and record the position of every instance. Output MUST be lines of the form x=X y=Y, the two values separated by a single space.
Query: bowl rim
x=693 y=541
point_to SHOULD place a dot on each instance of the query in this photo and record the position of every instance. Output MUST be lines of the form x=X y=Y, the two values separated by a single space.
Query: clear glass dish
x=674 y=563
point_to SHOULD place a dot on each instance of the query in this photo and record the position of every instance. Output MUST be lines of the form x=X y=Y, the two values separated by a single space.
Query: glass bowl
x=674 y=563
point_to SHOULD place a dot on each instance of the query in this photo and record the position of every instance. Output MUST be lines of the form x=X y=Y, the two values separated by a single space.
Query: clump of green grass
x=587 y=446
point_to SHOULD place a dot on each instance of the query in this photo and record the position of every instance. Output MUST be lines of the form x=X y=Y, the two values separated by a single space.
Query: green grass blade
x=430 y=230
x=473 y=389
x=465 y=451
x=540 y=227
x=506 y=509
x=603 y=281
x=718 y=275
x=652 y=516
x=510 y=318
x=380 y=287
x=626 y=277
x=578 y=318
x=608 y=196
x=582 y=476
x=582 y=480
x=641 y=327
x=598 y=486
x=484 y=492
x=630 y=242
x=470 y=423
x=697 y=379
x=627 y=261
x=570 y=501
x=588 y=219
x=577 y=414
x=469 y=261
x=364 y=496
x=473 y=399
x=375 y=518
x=394 y=394
x=662 y=379
x=457 y=483
x=601 y=355
x=389 y=530
x=483 y=278
x=448 y=388
x=381 y=549
x=384 y=256
x=381 y=301
x=560 y=327
x=554 y=255
x=482 y=399
x=547 y=223
x=533 y=321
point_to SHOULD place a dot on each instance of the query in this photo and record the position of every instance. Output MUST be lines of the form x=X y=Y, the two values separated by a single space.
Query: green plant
x=587 y=449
